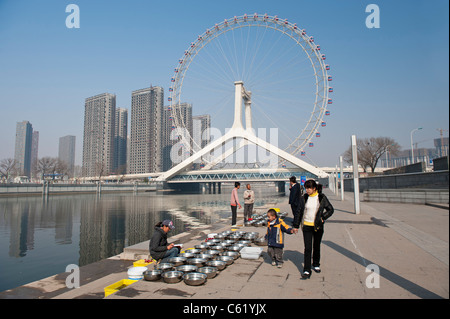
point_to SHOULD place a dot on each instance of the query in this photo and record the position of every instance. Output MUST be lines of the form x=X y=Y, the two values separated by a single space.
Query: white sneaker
x=274 y=263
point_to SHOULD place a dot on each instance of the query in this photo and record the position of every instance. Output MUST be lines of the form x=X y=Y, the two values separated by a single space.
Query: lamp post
x=412 y=149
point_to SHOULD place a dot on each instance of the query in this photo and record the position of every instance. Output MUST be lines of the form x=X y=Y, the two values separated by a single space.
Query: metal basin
x=187 y=268
x=244 y=242
x=261 y=241
x=177 y=261
x=233 y=254
x=220 y=236
x=212 y=252
x=202 y=247
x=215 y=241
x=199 y=262
x=205 y=256
x=229 y=260
x=220 y=265
x=152 y=275
x=210 y=272
x=194 y=251
x=234 y=248
x=164 y=266
x=229 y=242
x=217 y=247
x=186 y=255
x=172 y=277
x=195 y=278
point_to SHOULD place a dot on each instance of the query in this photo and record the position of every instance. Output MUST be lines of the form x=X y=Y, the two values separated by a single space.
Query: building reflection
x=100 y=227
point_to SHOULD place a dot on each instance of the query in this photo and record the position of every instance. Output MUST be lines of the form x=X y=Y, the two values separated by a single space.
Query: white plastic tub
x=251 y=252
x=136 y=273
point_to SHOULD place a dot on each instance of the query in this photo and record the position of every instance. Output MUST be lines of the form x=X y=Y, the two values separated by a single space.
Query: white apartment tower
x=98 y=139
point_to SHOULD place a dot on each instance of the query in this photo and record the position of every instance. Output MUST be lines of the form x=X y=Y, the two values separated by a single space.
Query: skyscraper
x=66 y=152
x=146 y=130
x=98 y=139
x=201 y=126
x=34 y=152
x=172 y=135
x=120 y=141
x=22 y=154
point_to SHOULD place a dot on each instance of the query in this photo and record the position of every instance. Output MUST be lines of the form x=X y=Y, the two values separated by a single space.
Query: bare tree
x=45 y=165
x=370 y=151
x=8 y=167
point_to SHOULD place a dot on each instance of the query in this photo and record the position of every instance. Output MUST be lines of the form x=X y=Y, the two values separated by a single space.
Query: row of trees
x=45 y=166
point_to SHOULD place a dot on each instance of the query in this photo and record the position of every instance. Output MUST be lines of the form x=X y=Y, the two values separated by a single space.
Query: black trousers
x=233 y=214
x=312 y=240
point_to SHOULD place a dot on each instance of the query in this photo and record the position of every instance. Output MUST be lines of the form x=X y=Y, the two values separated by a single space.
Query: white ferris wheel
x=282 y=66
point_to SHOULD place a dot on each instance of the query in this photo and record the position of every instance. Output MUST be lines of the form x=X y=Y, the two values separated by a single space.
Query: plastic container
x=142 y=263
x=115 y=287
x=136 y=273
x=251 y=252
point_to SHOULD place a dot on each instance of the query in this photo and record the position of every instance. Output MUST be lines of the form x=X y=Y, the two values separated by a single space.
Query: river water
x=40 y=236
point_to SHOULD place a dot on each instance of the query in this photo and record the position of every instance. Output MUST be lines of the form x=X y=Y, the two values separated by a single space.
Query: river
x=40 y=236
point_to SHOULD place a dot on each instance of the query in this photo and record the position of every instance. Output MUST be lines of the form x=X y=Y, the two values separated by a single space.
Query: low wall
x=410 y=196
x=37 y=189
x=430 y=180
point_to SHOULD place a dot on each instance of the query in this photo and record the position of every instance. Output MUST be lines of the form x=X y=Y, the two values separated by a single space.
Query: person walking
x=313 y=213
x=235 y=203
x=295 y=197
x=249 y=200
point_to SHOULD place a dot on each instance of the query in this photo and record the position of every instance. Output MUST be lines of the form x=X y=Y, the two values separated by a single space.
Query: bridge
x=181 y=172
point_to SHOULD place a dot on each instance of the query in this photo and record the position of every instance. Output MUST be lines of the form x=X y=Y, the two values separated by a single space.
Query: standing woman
x=235 y=203
x=312 y=216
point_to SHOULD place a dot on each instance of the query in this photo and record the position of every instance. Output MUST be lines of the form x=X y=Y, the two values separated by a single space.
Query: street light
x=412 y=149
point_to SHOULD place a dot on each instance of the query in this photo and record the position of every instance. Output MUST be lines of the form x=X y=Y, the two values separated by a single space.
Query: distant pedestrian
x=295 y=196
x=235 y=203
x=312 y=216
x=249 y=200
x=159 y=248
x=275 y=238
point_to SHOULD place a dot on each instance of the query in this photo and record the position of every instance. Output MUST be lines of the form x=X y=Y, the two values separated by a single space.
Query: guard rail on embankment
x=46 y=189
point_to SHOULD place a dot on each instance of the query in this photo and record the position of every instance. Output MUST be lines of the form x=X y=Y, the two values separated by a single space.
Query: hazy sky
x=386 y=81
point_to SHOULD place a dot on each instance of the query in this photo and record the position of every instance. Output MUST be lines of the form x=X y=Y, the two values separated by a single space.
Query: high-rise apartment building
x=120 y=141
x=66 y=152
x=98 y=139
x=146 y=133
x=23 y=147
x=34 y=152
x=172 y=135
x=201 y=127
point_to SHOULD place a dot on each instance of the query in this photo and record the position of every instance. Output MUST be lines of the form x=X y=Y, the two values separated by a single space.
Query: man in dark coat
x=295 y=197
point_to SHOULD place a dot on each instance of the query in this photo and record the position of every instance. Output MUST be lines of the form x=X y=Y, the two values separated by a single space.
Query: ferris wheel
x=280 y=64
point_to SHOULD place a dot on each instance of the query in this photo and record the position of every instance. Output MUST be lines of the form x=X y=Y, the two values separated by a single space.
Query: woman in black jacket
x=314 y=210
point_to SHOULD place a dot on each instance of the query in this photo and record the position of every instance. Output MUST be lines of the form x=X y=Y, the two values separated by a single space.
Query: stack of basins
x=205 y=260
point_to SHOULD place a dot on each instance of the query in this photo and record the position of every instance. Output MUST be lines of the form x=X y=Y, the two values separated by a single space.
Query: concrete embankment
x=54 y=189
x=389 y=251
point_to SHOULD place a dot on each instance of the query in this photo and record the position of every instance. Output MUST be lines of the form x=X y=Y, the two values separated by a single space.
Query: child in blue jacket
x=275 y=237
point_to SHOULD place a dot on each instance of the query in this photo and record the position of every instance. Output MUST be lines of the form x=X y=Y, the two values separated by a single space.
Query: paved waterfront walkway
x=409 y=244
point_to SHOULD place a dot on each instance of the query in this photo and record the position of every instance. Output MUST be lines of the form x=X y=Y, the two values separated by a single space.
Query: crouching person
x=160 y=250
x=275 y=237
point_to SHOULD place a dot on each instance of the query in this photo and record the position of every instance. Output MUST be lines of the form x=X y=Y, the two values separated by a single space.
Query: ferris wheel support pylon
x=247 y=134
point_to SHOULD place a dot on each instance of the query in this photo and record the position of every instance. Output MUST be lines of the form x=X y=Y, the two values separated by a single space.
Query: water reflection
x=39 y=236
